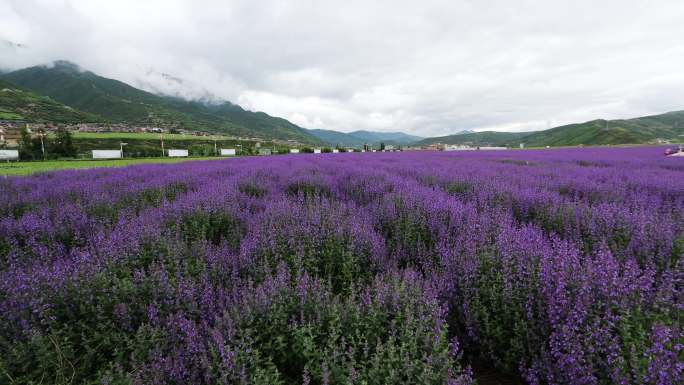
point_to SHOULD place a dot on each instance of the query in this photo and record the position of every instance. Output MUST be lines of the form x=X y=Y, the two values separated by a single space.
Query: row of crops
x=556 y=267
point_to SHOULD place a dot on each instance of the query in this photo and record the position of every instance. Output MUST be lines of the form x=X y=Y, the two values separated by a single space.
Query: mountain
x=119 y=102
x=387 y=137
x=359 y=138
x=624 y=131
x=337 y=138
x=165 y=84
x=374 y=136
x=483 y=138
x=17 y=103
x=642 y=130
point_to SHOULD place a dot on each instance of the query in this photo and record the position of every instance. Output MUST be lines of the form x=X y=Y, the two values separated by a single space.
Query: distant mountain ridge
x=482 y=138
x=359 y=138
x=115 y=101
x=395 y=137
x=641 y=130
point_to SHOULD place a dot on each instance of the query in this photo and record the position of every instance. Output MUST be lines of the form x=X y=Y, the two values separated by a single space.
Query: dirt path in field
x=486 y=375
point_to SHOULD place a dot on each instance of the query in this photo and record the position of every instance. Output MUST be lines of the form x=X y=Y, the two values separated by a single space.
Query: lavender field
x=553 y=267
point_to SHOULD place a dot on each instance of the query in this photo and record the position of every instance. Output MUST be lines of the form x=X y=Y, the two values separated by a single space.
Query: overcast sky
x=423 y=67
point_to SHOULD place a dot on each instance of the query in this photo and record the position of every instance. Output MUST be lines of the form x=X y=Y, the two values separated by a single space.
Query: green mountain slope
x=17 y=103
x=261 y=123
x=335 y=138
x=359 y=138
x=387 y=137
x=598 y=132
x=484 y=138
x=119 y=102
x=647 y=129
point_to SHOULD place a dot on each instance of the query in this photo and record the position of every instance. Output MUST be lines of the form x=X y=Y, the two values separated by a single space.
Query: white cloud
x=428 y=68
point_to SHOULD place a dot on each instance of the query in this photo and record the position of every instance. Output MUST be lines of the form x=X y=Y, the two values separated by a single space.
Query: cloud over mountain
x=432 y=68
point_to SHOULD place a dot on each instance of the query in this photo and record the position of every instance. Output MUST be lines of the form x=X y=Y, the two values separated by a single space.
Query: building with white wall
x=178 y=153
x=9 y=155
x=106 y=154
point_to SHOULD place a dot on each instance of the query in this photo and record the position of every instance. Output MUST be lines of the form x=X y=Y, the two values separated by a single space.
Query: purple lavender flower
x=560 y=267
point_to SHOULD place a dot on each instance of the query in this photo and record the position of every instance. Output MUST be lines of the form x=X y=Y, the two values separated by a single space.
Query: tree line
x=43 y=146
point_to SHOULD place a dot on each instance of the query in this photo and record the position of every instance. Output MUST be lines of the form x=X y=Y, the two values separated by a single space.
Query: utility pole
x=161 y=137
x=42 y=144
x=215 y=148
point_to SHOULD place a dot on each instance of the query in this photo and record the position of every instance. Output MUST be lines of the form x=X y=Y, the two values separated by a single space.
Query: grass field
x=26 y=168
x=146 y=145
x=143 y=135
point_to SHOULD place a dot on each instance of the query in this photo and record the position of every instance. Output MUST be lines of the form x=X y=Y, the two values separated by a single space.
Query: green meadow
x=26 y=168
